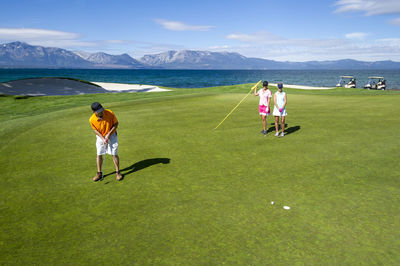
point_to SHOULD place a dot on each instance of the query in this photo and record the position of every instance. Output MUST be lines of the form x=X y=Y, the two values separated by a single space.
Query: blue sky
x=286 y=30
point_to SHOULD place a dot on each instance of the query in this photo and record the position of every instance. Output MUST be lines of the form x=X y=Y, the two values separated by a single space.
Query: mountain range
x=23 y=55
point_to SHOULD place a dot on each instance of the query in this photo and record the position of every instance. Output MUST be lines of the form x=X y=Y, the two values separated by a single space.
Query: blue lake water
x=206 y=78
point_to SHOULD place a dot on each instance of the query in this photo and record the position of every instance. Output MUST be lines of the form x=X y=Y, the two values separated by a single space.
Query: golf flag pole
x=238 y=104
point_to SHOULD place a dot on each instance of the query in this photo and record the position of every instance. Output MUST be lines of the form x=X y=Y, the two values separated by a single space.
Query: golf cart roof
x=349 y=77
x=375 y=77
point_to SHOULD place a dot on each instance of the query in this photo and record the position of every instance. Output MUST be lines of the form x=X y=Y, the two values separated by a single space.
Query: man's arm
x=95 y=130
x=99 y=134
x=112 y=130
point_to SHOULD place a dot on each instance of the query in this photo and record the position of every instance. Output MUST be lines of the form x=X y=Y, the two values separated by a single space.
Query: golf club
x=104 y=159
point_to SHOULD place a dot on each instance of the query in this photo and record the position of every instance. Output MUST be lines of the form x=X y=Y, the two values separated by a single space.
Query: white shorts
x=110 y=148
x=277 y=113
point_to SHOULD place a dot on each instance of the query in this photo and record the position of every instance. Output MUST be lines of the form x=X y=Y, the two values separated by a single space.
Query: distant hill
x=197 y=60
x=212 y=60
x=112 y=61
x=19 y=55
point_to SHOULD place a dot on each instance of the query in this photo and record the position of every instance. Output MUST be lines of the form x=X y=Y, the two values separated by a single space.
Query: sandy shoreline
x=301 y=87
x=64 y=86
x=151 y=88
x=122 y=87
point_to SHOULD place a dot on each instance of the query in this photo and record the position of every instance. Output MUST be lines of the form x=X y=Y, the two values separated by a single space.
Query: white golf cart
x=347 y=82
x=376 y=83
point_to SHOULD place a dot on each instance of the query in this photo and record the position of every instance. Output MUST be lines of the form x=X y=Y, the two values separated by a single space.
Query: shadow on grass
x=139 y=166
x=288 y=131
x=23 y=97
x=271 y=129
x=291 y=130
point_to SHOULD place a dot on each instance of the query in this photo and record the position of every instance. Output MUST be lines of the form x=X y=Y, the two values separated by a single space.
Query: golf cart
x=347 y=82
x=376 y=83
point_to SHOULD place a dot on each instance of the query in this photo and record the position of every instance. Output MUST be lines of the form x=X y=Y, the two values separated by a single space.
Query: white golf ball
x=286 y=207
x=272 y=203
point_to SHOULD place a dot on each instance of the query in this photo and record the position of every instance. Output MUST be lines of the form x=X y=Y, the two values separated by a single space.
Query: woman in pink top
x=263 y=107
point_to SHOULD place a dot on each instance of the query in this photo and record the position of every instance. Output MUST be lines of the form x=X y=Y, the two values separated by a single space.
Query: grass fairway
x=194 y=195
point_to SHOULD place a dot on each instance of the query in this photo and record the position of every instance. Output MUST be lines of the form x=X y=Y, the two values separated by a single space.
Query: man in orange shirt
x=104 y=124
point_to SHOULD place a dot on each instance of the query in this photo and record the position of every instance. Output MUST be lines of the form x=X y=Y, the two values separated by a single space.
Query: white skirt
x=110 y=148
x=277 y=113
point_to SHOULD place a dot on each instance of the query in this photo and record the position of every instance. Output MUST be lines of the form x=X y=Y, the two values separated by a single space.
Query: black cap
x=265 y=83
x=96 y=107
x=280 y=85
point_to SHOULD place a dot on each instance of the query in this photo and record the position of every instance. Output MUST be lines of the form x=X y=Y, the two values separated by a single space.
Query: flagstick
x=238 y=104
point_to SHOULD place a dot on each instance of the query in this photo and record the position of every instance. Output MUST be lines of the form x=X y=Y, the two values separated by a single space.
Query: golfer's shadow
x=140 y=166
x=288 y=131
x=291 y=130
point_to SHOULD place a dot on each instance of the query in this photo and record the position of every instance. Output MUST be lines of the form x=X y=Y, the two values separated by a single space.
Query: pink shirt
x=263 y=96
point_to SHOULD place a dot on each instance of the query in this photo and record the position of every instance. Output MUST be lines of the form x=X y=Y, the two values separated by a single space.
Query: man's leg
x=99 y=160
x=99 y=175
x=116 y=163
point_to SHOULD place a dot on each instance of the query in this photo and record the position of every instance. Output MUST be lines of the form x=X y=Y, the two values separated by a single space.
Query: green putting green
x=194 y=195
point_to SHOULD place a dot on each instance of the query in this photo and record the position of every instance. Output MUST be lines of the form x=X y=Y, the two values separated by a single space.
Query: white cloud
x=356 y=35
x=259 y=37
x=370 y=7
x=43 y=37
x=395 y=21
x=73 y=41
x=63 y=43
x=180 y=26
x=34 y=34
x=353 y=46
x=266 y=38
x=52 y=38
x=116 y=41
x=219 y=47
x=394 y=42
